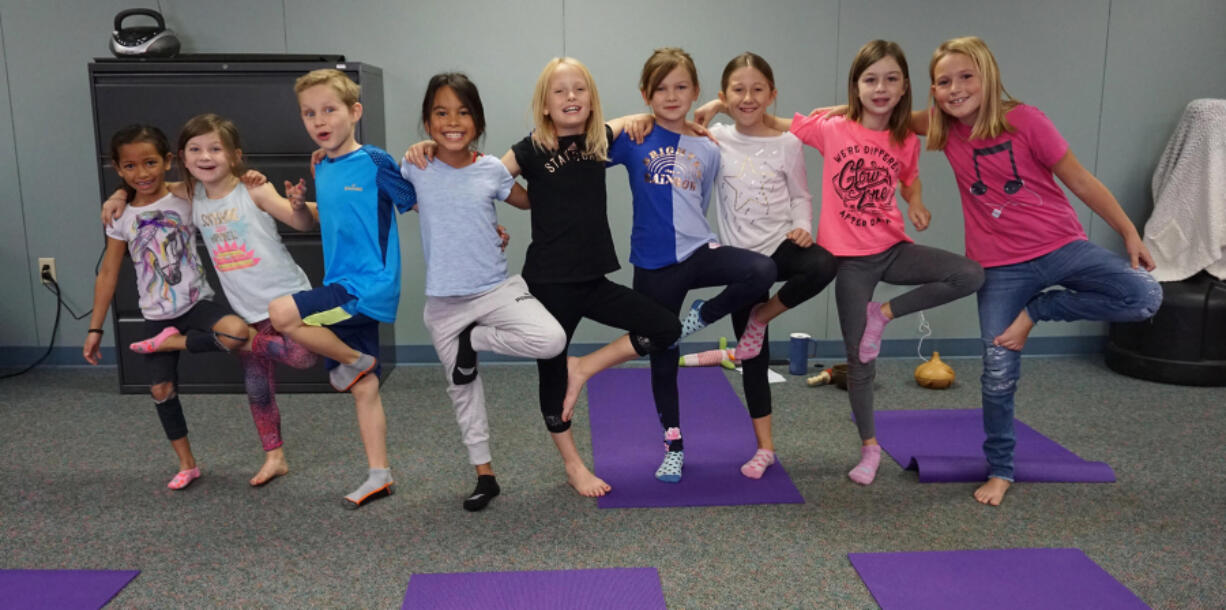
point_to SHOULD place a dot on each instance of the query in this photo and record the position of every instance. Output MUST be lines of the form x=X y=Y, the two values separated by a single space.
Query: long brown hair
x=869 y=54
x=661 y=62
x=746 y=60
x=226 y=132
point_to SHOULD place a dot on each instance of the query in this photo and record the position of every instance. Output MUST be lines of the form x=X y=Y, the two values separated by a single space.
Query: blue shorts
x=326 y=307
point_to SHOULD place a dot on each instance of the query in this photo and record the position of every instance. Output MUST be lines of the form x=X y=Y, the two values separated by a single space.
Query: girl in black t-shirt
x=572 y=249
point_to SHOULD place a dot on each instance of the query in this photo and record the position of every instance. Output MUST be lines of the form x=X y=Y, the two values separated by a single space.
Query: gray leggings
x=941 y=276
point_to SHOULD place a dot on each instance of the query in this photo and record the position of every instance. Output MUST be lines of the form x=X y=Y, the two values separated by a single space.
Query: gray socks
x=378 y=485
x=345 y=375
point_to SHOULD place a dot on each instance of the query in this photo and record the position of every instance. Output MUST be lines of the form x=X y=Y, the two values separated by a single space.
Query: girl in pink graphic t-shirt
x=1006 y=157
x=869 y=150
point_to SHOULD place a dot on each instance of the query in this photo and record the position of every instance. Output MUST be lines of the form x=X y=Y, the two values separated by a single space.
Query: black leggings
x=746 y=274
x=196 y=325
x=806 y=272
x=651 y=327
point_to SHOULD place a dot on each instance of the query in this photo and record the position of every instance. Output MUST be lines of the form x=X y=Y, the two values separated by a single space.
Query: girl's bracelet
x=95 y=330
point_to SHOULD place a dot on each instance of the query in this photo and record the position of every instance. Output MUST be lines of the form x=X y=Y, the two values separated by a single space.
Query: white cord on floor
x=926 y=331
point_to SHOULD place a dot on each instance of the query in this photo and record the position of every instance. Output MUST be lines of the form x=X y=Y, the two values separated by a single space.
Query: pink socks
x=866 y=470
x=184 y=478
x=758 y=463
x=750 y=344
x=150 y=345
x=874 y=325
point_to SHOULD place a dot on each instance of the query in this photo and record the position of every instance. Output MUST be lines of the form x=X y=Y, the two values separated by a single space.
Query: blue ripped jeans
x=1099 y=285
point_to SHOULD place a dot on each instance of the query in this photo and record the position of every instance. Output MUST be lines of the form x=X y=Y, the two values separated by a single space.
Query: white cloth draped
x=1187 y=231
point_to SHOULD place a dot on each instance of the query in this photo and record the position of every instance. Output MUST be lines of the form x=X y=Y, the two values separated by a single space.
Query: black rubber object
x=1184 y=343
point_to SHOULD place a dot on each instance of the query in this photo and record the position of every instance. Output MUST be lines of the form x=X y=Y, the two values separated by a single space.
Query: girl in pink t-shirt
x=869 y=150
x=1022 y=229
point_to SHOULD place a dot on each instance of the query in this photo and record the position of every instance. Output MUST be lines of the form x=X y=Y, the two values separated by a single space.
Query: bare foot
x=274 y=466
x=1014 y=337
x=992 y=492
x=586 y=483
x=574 y=384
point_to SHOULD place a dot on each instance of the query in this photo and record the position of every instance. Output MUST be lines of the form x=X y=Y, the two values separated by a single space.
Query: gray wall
x=1114 y=75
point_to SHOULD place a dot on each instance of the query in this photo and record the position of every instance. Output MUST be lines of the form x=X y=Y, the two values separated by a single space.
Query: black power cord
x=50 y=284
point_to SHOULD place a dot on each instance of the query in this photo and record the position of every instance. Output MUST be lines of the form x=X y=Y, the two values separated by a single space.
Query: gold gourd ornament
x=934 y=373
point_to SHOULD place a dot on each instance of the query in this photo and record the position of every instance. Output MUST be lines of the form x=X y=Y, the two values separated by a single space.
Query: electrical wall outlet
x=46 y=267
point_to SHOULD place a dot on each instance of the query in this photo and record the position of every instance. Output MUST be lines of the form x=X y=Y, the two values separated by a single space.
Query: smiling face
x=568 y=102
x=747 y=96
x=328 y=120
x=957 y=87
x=451 y=125
x=880 y=87
x=208 y=160
x=143 y=169
x=671 y=100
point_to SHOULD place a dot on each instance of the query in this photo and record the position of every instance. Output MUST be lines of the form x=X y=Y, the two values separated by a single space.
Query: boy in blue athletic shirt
x=359 y=190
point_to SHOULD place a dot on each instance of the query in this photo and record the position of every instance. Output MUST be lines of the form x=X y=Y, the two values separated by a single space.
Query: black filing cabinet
x=257 y=94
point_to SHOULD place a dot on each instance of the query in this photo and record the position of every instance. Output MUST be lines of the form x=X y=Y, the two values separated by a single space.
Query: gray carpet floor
x=83 y=473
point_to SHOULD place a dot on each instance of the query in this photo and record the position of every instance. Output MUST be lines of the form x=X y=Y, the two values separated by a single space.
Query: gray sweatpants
x=510 y=321
x=941 y=276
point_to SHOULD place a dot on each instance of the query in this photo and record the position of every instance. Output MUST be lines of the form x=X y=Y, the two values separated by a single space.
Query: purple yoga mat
x=946 y=446
x=628 y=444
x=61 y=588
x=604 y=588
x=1000 y=579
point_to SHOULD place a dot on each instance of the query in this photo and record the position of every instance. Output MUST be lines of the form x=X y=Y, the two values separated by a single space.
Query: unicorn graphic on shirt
x=161 y=248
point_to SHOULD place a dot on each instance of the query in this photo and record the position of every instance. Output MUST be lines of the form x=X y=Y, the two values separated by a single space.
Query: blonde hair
x=869 y=54
x=344 y=87
x=545 y=134
x=661 y=62
x=996 y=102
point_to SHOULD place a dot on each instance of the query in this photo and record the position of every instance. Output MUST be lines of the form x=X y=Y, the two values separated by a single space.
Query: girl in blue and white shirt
x=672 y=247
